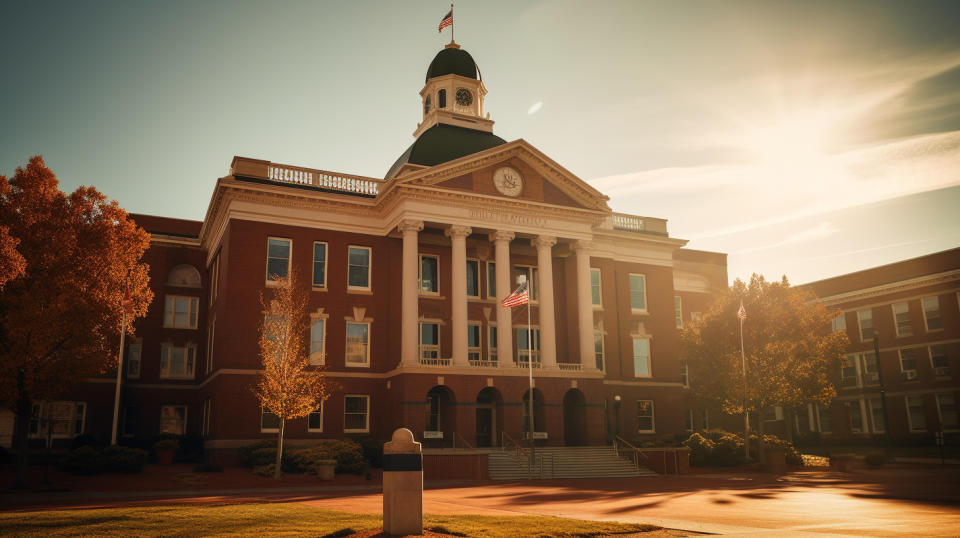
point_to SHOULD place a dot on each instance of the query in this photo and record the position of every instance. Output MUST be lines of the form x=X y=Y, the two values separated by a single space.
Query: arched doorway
x=489 y=417
x=539 y=413
x=574 y=418
x=441 y=418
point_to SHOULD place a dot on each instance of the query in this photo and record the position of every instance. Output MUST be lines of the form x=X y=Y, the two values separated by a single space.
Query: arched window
x=442 y=99
x=184 y=276
x=426 y=106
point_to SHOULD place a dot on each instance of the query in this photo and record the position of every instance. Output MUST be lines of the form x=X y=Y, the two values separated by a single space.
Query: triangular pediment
x=544 y=180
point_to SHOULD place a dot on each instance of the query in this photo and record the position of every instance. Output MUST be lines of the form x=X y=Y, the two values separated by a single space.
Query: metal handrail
x=637 y=454
x=516 y=446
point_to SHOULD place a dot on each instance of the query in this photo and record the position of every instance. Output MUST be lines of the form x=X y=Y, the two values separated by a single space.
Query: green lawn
x=279 y=519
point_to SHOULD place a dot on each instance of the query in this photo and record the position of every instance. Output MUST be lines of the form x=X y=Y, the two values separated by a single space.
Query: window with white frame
x=823 y=418
x=319 y=264
x=173 y=419
x=598 y=350
x=596 y=297
x=876 y=415
x=315 y=420
x=638 y=292
x=429 y=274
x=854 y=416
x=473 y=342
x=358 y=267
x=491 y=343
x=429 y=343
x=278 y=258
x=318 y=341
x=931 y=313
x=134 y=351
x=865 y=320
x=939 y=360
x=184 y=276
x=491 y=280
x=211 y=333
x=901 y=318
x=947 y=408
x=641 y=357
x=269 y=421
x=533 y=277
x=524 y=353
x=839 y=322
x=684 y=373
x=678 y=311
x=848 y=372
x=915 y=415
x=645 y=419
x=180 y=312
x=869 y=369
x=356 y=413
x=473 y=278
x=358 y=344
x=57 y=419
x=177 y=362
x=908 y=364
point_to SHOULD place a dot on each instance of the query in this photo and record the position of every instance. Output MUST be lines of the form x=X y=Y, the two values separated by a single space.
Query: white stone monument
x=402 y=485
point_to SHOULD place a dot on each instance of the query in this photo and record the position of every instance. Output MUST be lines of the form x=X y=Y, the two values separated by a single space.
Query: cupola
x=453 y=92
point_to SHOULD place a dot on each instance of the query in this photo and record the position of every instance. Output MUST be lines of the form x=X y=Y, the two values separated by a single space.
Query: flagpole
x=451 y=23
x=530 y=363
x=746 y=414
x=116 y=394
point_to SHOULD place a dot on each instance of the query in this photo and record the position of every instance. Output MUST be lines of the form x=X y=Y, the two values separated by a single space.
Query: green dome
x=453 y=61
x=442 y=143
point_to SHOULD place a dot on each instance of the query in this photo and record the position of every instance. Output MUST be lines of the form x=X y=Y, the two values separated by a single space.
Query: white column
x=409 y=293
x=501 y=241
x=458 y=238
x=548 y=333
x=584 y=306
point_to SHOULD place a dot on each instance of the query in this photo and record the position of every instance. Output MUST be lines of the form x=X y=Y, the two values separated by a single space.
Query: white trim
x=910 y=428
x=896 y=322
x=952 y=395
x=653 y=417
x=926 y=320
x=313 y=266
x=645 y=308
x=884 y=289
x=319 y=358
x=369 y=286
x=138 y=343
x=366 y=363
x=422 y=291
x=860 y=325
x=193 y=311
x=189 y=347
x=478 y=279
x=366 y=427
x=678 y=311
x=599 y=274
x=269 y=281
x=649 y=373
x=320 y=429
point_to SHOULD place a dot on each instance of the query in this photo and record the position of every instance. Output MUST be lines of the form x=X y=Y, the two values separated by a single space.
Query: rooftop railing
x=295 y=175
x=633 y=223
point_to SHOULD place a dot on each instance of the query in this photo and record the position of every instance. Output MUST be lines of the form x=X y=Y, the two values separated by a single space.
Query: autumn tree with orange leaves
x=60 y=308
x=289 y=386
x=791 y=352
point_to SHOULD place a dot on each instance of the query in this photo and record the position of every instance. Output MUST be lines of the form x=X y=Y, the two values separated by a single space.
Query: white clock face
x=508 y=181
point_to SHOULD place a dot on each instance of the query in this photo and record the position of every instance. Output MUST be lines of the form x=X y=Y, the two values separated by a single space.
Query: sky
x=806 y=139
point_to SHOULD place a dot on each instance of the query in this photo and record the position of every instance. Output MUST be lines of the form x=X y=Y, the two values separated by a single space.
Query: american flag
x=742 y=314
x=518 y=297
x=447 y=21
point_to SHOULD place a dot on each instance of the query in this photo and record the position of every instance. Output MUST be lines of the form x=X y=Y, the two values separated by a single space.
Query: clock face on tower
x=508 y=181
x=463 y=97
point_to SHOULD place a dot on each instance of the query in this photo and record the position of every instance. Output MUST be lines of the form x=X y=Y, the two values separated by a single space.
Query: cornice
x=892 y=287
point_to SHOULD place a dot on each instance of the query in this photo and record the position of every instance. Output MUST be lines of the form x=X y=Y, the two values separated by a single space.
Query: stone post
x=402 y=485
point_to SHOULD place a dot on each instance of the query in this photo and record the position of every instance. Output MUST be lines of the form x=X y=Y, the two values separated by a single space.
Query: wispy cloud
x=535 y=108
x=823 y=230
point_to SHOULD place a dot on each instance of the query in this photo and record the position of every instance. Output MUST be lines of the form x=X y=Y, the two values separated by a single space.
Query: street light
x=883 y=390
x=616 y=411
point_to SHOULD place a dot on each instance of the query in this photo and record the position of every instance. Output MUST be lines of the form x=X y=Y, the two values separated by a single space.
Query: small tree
x=289 y=386
x=790 y=351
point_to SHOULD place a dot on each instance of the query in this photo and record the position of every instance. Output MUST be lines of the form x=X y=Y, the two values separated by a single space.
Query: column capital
x=582 y=245
x=543 y=241
x=410 y=226
x=457 y=230
x=501 y=235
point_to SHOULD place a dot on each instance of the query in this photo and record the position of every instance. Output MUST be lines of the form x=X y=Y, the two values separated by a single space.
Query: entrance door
x=574 y=418
x=486 y=425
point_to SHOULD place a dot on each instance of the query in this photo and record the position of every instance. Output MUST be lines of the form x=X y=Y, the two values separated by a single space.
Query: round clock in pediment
x=508 y=181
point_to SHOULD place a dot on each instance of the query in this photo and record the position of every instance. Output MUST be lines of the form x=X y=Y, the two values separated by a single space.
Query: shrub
x=372 y=451
x=347 y=453
x=728 y=450
x=85 y=460
x=86 y=440
x=793 y=456
x=166 y=444
x=254 y=455
x=264 y=470
x=88 y=460
x=875 y=459
x=700 y=447
x=120 y=459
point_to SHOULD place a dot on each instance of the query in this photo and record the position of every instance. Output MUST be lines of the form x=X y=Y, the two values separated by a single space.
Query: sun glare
x=787 y=142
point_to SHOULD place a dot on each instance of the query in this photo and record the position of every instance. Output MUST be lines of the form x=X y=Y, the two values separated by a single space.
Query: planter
x=165 y=457
x=325 y=469
x=776 y=460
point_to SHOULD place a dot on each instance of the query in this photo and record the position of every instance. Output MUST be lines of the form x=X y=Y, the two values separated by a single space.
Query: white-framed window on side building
x=57 y=419
x=638 y=292
x=684 y=373
x=318 y=339
x=596 y=292
x=278 y=258
x=356 y=413
x=916 y=418
x=598 y=351
x=473 y=279
x=688 y=420
x=641 y=357
x=180 y=312
x=429 y=274
x=908 y=364
x=358 y=344
x=869 y=369
x=824 y=424
x=319 y=279
x=645 y=418
x=269 y=421
x=931 y=313
x=854 y=416
x=177 y=362
x=839 y=322
x=876 y=415
x=848 y=372
x=491 y=280
x=134 y=351
x=947 y=409
x=430 y=344
x=901 y=319
x=678 y=311
x=865 y=321
x=358 y=267
x=939 y=360
x=315 y=420
x=173 y=419
x=474 y=352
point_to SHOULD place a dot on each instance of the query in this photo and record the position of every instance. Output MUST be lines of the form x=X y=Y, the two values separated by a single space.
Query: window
x=823 y=418
x=433 y=412
x=915 y=415
x=428 y=274
x=688 y=420
x=939 y=360
x=442 y=99
x=931 y=313
x=180 y=312
x=645 y=416
x=426 y=105
x=133 y=359
x=358 y=268
x=278 y=258
x=865 y=319
x=269 y=422
x=491 y=280
x=532 y=274
x=473 y=278
x=839 y=323
x=854 y=416
x=848 y=371
x=176 y=362
x=901 y=317
x=908 y=364
x=638 y=292
x=869 y=369
x=491 y=344
x=173 y=419
x=947 y=407
x=214 y=278
x=684 y=373
x=130 y=424
x=641 y=357
x=876 y=415
x=315 y=420
x=57 y=419
x=318 y=350
x=319 y=265
x=523 y=352
x=211 y=332
x=678 y=311
x=184 y=276
x=595 y=296
x=705 y=419
x=473 y=342
x=205 y=424
x=598 y=350
x=430 y=343
x=358 y=344
x=356 y=413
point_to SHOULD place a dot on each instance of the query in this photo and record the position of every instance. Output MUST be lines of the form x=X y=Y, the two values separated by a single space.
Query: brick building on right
x=912 y=307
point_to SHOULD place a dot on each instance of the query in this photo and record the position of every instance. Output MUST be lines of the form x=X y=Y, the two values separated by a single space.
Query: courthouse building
x=404 y=276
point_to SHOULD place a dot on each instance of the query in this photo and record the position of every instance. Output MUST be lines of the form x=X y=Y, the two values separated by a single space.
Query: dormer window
x=442 y=99
x=426 y=106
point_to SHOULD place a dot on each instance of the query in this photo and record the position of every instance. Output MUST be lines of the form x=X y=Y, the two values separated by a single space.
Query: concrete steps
x=564 y=462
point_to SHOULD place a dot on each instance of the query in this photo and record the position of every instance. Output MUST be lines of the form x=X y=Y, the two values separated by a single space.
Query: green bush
x=254 y=455
x=88 y=460
x=700 y=447
x=372 y=451
x=265 y=470
x=793 y=456
x=85 y=460
x=347 y=453
x=722 y=448
x=728 y=449
x=120 y=459
x=875 y=459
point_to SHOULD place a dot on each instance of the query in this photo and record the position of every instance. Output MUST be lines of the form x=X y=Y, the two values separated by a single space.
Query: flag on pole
x=447 y=21
x=742 y=314
x=518 y=297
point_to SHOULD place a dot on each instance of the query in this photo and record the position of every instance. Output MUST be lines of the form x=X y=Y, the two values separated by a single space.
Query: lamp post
x=616 y=420
x=883 y=390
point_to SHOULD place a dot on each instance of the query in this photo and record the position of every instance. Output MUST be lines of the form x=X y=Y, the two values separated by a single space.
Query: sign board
x=539 y=435
x=433 y=435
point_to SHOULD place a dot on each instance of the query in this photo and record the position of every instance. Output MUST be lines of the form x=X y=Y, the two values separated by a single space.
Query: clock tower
x=453 y=92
